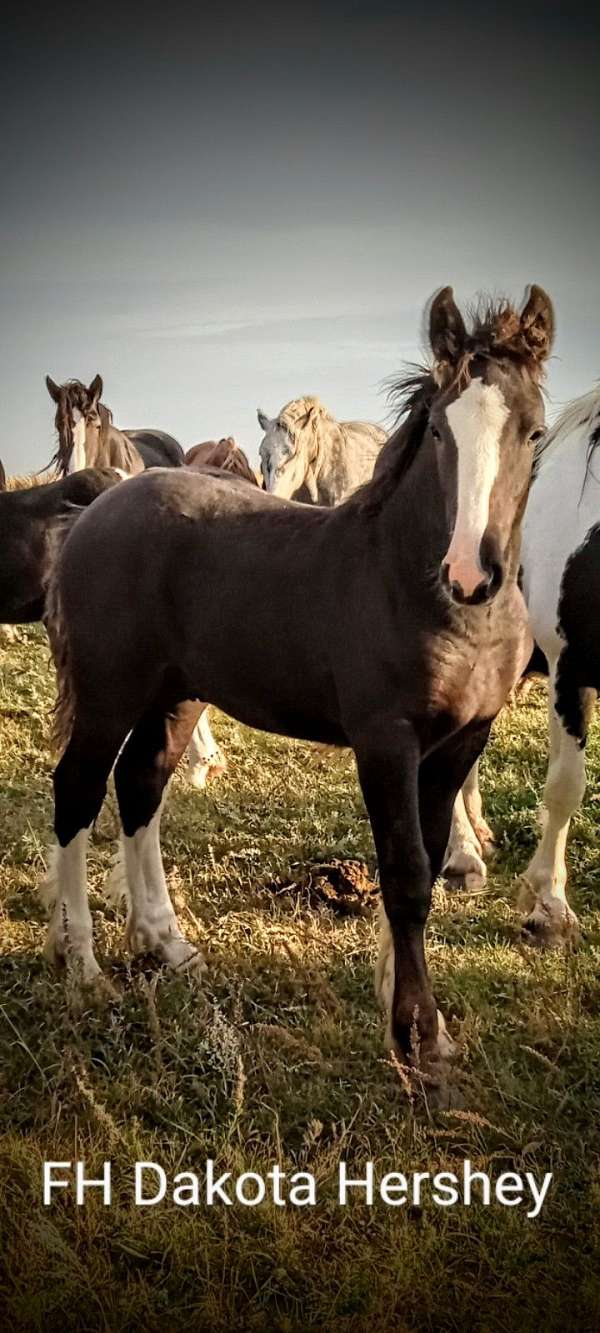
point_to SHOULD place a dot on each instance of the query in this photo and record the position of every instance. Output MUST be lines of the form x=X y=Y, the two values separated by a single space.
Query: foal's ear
x=537 y=323
x=447 y=333
x=95 y=389
x=263 y=420
x=53 y=389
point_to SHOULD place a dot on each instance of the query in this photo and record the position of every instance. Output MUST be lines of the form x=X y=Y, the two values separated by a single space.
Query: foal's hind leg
x=141 y=775
x=463 y=861
x=551 y=922
x=79 y=789
x=205 y=759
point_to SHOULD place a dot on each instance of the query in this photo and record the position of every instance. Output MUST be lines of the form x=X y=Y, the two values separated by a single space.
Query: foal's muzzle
x=485 y=591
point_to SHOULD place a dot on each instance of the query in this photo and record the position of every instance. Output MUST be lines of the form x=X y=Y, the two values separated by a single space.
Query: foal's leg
x=551 y=922
x=388 y=766
x=205 y=759
x=471 y=838
x=79 y=790
x=474 y=807
x=141 y=775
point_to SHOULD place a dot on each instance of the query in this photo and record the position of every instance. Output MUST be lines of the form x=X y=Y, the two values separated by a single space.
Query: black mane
x=412 y=395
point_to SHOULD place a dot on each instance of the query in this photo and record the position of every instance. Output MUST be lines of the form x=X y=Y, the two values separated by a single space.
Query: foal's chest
x=471 y=675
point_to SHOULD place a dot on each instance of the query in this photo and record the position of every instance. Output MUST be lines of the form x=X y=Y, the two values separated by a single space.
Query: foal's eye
x=435 y=432
x=537 y=434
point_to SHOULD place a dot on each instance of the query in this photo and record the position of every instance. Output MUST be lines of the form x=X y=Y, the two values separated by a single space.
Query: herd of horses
x=385 y=594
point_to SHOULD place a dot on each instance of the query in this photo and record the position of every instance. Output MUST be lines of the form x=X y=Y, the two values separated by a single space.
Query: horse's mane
x=578 y=413
x=412 y=395
x=27 y=481
x=496 y=334
x=224 y=454
x=304 y=417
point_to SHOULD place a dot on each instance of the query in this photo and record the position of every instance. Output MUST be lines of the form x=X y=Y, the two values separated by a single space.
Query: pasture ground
x=280 y=1059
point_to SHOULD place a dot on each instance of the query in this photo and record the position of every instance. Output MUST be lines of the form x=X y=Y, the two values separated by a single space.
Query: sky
x=219 y=214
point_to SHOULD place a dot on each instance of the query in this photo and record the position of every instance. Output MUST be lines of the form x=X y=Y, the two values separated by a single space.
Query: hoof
x=61 y=953
x=206 y=770
x=465 y=868
x=167 y=945
x=551 y=924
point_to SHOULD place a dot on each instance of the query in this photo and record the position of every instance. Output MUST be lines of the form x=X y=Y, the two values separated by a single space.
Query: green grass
x=280 y=1059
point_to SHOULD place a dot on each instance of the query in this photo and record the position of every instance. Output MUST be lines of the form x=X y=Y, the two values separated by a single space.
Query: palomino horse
x=224 y=454
x=307 y=455
x=393 y=624
x=88 y=438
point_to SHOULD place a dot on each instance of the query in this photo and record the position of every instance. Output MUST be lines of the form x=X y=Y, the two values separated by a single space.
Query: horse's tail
x=58 y=634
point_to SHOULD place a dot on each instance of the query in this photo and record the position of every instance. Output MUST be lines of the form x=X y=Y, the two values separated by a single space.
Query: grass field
x=280 y=1059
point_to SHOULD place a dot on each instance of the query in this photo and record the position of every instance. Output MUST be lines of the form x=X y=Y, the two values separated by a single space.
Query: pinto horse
x=561 y=585
x=393 y=624
x=88 y=438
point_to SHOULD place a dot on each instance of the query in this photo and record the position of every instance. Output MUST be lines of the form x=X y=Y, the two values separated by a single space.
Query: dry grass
x=281 y=1059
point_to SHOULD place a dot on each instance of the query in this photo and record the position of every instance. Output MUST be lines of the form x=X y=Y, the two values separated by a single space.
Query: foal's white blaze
x=476 y=419
x=77 y=461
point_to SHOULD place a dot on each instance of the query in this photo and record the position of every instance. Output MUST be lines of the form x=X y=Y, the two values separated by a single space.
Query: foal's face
x=485 y=424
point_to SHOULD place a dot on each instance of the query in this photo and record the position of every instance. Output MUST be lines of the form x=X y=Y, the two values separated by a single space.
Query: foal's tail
x=54 y=620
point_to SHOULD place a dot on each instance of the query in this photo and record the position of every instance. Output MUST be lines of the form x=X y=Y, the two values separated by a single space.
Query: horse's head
x=485 y=416
x=78 y=422
x=285 y=451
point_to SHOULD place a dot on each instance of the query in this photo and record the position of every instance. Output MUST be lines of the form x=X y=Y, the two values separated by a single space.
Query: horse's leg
x=441 y=776
x=141 y=775
x=463 y=861
x=388 y=766
x=205 y=759
x=474 y=807
x=551 y=922
x=79 y=789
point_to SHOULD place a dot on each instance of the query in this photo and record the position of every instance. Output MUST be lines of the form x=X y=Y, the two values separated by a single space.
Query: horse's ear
x=447 y=333
x=263 y=420
x=95 y=389
x=53 y=389
x=537 y=323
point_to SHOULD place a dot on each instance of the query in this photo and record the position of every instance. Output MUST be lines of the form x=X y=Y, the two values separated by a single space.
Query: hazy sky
x=220 y=216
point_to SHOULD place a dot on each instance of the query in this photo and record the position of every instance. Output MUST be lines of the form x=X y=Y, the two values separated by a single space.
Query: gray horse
x=307 y=455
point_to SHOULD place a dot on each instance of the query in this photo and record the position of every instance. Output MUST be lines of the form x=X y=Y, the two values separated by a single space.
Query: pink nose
x=465 y=574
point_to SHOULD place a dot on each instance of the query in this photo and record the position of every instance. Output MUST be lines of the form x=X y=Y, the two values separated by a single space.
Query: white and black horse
x=561 y=584
x=392 y=624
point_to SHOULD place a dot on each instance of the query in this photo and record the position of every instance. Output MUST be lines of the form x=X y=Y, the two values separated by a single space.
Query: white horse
x=560 y=556
x=307 y=455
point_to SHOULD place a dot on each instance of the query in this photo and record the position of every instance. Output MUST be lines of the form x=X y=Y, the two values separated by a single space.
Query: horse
x=561 y=584
x=88 y=438
x=393 y=624
x=224 y=454
x=29 y=515
x=307 y=455
x=2 y=476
